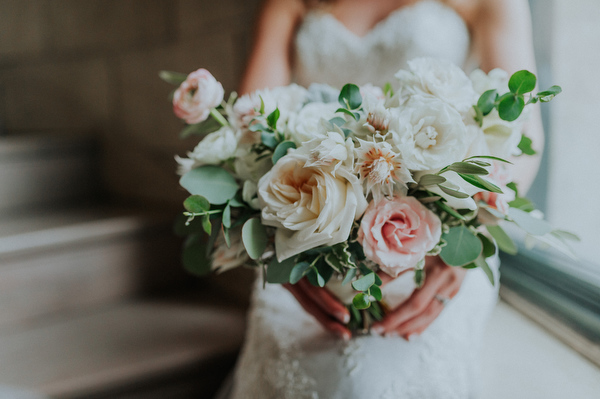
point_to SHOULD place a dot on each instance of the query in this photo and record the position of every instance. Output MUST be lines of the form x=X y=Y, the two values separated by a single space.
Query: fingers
x=326 y=301
x=323 y=318
x=421 y=309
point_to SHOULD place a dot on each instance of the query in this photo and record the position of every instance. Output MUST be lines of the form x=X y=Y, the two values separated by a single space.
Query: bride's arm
x=269 y=64
x=503 y=39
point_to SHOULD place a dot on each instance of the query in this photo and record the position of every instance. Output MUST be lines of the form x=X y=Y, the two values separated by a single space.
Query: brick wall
x=90 y=67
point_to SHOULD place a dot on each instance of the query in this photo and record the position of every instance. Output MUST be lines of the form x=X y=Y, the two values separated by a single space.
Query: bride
x=427 y=346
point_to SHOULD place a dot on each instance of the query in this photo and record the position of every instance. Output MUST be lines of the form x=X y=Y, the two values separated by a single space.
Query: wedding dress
x=287 y=354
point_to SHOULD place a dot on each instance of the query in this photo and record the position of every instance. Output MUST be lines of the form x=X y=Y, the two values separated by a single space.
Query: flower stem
x=217 y=115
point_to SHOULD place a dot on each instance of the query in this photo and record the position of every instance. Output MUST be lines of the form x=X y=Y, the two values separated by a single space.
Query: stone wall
x=90 y=67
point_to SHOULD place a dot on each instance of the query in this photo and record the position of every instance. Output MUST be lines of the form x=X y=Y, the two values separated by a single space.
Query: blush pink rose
x=397 y=234
x=195 y=97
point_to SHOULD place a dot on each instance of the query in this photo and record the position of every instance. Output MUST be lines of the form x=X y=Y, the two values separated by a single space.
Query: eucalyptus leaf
x=280 y=273
x=272 y=119
x=532 y=225
x=454 y=193
x=350 y=274
x=489 y=249
x=268 y=139
x=361 y=301
x=504 y=242
x=487 y=101
x=196 y=204
x=467 y=167
x=350 y=96
x=548 y=95
x=478 y=115
x=375 y=291
x=522 y=82
x=364 y=283
x=281 y=150
x=430 y=180
x=206 y=224
x=227 y=216
x=338 y=121
x=227 y=236
x=510 y=107
x=483 y=265
x=462 y=246
x=525 y=145
x=299 y=271
x=254 y=237
x=174 y=78
x=212 y=182
x=347 y=112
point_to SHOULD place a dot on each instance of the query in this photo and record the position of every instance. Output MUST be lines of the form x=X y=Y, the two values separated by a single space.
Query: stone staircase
x=85 y=309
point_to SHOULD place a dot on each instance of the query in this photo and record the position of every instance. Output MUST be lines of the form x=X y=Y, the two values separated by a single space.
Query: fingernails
x=345 y=335
x=378 y=330
x=343 y=317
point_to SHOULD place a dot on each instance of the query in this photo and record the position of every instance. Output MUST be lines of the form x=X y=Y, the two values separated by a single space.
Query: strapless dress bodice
x=326 y=51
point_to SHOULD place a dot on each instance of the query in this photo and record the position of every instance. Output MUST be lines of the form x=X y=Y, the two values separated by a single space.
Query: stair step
x=65 y=261
x=124 y=346
x=40 y=170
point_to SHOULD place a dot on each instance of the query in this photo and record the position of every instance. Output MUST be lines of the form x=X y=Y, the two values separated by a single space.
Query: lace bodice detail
x=327 y=52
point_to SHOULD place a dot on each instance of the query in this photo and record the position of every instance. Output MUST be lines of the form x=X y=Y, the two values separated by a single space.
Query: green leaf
x=482 y=264
x=478 y=115
x=505 y=243
x=430 y=180
x=227 y=216
x=354 y=115
x=195 y=257
x=227 y=237
x=273 y=118
x=419 y=277
x=375 y=291
x=299 y=271
x=449 y=210
x=532 y=225
x=565 y=235
x=548 y=95
x=513 y=186
x=388 y=90
x=254 y=237
x=488 y=157
x=466 y=167
x=350 y=96
x=510 y=107
x=350 y=274
x=334 y=262
x=487 y=101
x=281 y=150
x=462 y=246
x=523 y=204
x=280 y=273
x=522 y=82
x=364 y=283
x=206 y=225
x=196 y=204
x=208 y=126
x=489 y=248
x=361 y=301
x=525 y=145
x=454 y=193
x=315 y=278
x=212 y=182
x=174 y=78
x=481 y=183
x=268 y=139
x=337 y=121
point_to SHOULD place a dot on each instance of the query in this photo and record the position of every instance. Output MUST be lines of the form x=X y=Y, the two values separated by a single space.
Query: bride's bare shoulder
x=482 y=12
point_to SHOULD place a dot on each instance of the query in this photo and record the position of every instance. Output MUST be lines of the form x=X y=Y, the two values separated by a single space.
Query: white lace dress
x=287 y=354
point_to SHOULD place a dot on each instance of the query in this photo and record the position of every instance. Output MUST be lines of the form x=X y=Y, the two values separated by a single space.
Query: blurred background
x=93 y=299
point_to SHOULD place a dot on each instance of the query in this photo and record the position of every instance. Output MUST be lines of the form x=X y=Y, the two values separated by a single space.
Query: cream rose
x=215 y=148
x=306 y=124
x=196 y=96
x=309 y=206
x=397 y=234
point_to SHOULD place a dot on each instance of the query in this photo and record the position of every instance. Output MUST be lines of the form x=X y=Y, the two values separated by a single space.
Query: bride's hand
x=421 y=309
x=320 y=303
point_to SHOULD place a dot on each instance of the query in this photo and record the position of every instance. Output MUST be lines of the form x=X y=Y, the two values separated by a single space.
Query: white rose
x=196 y=96
x=309 y=206
x=440 y=78
x=429 y=134
x=306 y=124
x=215 y=148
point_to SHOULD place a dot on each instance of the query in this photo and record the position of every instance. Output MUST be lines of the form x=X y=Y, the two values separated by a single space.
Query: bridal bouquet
x=338 y=185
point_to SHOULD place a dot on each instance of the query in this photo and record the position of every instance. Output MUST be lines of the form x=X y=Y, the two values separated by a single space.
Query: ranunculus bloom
x=214 y=149
x=195 y=97
x=309 y=206
x=398 y=233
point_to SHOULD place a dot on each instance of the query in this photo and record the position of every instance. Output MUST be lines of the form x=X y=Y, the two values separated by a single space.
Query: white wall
x=574 y=186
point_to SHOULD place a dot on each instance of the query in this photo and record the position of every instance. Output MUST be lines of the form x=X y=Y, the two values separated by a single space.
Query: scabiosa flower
x=379 y=168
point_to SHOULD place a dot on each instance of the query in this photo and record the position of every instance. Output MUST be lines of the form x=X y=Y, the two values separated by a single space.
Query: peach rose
x=195 y=97
x=397 y=234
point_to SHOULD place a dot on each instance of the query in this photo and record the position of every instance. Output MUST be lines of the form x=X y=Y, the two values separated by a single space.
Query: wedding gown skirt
x=288 y=355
